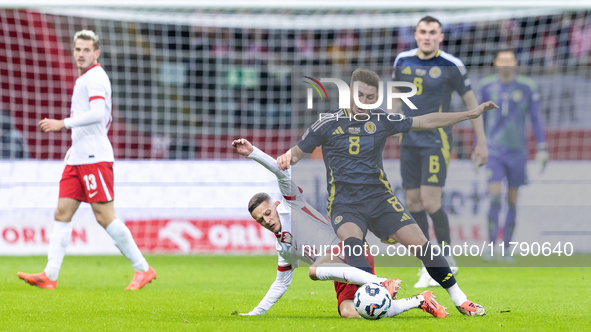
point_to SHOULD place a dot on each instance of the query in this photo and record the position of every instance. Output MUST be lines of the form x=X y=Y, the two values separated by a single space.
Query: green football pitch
x=205 y=292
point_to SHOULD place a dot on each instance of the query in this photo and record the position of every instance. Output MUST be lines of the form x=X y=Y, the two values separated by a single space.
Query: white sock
x=457 y=296
x=124 y=241
x=346 y=274
x=399 y=306
x=58 y=242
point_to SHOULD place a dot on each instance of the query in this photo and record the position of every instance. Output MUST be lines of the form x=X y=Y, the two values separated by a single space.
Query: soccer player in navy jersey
x=360 y=196
x=424 y=155
x=519 y=99
x=297 y=226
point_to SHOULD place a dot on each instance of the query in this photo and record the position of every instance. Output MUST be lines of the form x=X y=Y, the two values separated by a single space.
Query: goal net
x=186 y=82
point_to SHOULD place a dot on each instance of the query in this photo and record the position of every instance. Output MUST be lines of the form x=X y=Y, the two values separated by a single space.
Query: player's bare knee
x=414 y=203
x=347 y=310
x=431 y=204
x=62 y=215
x=413 y=200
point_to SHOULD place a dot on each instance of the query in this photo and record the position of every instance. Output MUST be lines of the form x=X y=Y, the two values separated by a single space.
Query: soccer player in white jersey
x=304 y=234
x=88 y=175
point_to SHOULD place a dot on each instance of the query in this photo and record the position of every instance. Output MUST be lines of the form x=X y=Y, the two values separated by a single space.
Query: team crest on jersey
x=420 y=72
x=286 y=237
x=354 y=130
x=435 y=72
x=338 y=219
x=517 y=96
x=370 y=127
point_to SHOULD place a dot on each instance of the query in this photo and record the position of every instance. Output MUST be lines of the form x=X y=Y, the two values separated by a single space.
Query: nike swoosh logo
x=92 y=195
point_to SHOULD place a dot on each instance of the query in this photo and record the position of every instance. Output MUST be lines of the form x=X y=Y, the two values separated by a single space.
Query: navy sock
x=437 y=266
x=509 y=224
x=441 y=227
x=355 y=254
x=493 y=217
x=421 y=218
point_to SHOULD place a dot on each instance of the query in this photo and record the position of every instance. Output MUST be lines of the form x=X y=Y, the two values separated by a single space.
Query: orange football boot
x=430 y=305
x=393 y=286
x=39 y=279
x=140 y=279
x=470 y=308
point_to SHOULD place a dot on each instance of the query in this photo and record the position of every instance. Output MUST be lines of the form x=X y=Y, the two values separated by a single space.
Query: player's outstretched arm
x=275 y=292
x=439 y=120
x=291 y=157
x=242 y=146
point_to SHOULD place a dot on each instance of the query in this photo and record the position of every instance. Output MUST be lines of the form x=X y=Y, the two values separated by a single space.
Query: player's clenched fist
x=243 y=147
x=47 y=125
x=284 y=160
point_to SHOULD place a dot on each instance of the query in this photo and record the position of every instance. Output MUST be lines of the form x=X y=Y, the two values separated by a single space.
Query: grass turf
x=202 y=292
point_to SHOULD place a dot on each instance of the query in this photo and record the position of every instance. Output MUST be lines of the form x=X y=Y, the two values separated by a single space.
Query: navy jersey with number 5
x=436 y=79
x=352 y=151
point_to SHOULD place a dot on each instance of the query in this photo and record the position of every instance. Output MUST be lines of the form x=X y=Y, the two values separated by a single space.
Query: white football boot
x=424 y=278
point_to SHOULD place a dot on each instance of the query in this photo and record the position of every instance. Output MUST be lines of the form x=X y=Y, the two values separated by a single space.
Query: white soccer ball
x=372 y=301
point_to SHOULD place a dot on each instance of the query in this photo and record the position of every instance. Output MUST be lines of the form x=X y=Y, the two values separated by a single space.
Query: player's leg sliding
x=58 y=243
x=425 y=301
x=439 y=269
x=124 y=241
x=351 y=275
x=346 y=274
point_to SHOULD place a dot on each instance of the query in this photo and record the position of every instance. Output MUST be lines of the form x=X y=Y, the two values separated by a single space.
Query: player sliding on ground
x=88 y=175
x=360 y=196
x=299 y=227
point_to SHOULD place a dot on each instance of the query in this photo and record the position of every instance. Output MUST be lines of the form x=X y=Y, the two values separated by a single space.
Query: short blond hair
x=88 y=35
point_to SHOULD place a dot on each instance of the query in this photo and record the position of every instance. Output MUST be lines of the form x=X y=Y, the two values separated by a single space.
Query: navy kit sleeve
x=395 y=125
x=313 y=137
x=459 y=79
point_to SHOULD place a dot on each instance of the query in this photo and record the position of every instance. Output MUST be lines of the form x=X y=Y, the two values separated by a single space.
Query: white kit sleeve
x=275 y=292
x=95 y=115
x=287 y=187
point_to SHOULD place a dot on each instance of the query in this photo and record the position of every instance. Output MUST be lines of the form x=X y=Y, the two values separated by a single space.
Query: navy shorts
x=382 y=214
x=423 y=166
x=510 y=166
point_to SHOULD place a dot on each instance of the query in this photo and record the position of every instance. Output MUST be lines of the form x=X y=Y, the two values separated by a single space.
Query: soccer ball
x=372 y=301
